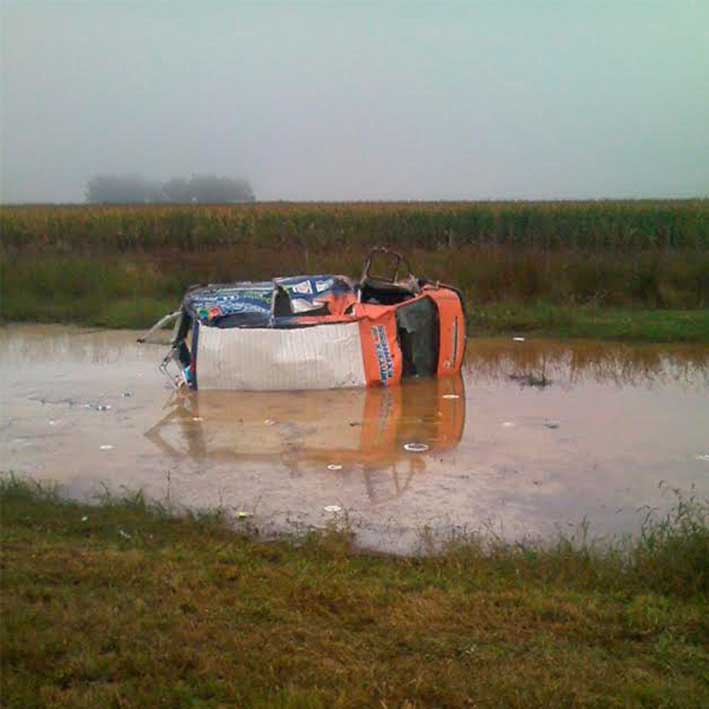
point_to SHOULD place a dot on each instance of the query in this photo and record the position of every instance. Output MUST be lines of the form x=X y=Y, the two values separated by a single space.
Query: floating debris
x=334 y=466
x=98 y=407
x=52 y=422
x=197 y=418
x=84 y=519
x=530 y=380
x=124 y=534
x=127 y=394
x=414 y=447
x=451 y=396
x=106 y=447
x=269 y=422
x=519 y=339
x=332 y=508
x=243 y=515
x=552 y=424
x=703 y=456
x=508 y=424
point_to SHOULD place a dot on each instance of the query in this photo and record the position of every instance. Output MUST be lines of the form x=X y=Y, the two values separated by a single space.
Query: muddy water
x=535 y=436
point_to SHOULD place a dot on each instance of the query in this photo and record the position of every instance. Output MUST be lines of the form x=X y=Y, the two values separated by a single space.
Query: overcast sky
x=333 y=100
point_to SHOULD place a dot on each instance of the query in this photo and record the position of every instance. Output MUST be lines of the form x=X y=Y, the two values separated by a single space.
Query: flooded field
x=535 y=436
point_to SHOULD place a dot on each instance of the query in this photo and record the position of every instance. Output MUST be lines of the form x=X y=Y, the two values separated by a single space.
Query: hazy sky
x=333 y=100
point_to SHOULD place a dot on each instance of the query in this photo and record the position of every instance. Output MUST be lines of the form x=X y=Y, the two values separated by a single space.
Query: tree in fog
x=132 y=189
x=213 y=189
x=177 y=190
x=121 y=189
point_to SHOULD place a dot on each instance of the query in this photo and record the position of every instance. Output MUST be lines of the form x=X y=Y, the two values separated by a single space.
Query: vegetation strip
x=619 y=226
x=124 y=605
x=622 y=270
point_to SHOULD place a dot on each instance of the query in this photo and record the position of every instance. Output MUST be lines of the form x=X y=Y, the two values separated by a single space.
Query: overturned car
x=316 y=332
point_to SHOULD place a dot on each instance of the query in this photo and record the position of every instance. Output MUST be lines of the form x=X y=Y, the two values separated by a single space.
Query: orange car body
x=318 y=332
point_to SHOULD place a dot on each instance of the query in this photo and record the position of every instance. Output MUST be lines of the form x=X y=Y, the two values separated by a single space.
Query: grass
x=622 y=324
x=124 y=605
x=504 y=291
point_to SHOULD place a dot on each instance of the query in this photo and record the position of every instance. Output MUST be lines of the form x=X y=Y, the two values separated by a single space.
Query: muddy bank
x=535 y=436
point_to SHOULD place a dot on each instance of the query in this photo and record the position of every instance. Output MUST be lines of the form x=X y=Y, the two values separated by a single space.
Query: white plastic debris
x=84 y=519
x=243 y=515
x=332 y=508
x=334 y=466
x=414 y=447
x=197 y=418
x=703 y=456
x=451 y=396
x=519 y=339
x=507 y=424
x=552 y=424
x=52 y=422
x=106 y=447
x=269 y=422
x=124 y=534
x=98 y=407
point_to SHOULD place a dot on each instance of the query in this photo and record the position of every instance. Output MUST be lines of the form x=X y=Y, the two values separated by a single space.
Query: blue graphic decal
x=386 y=362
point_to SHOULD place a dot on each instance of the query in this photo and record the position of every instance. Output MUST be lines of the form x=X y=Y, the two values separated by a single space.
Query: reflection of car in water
x=317 y=332
x=362 y=430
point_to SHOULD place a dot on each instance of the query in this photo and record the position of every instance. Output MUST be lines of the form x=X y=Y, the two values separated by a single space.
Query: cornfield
x=591 y=226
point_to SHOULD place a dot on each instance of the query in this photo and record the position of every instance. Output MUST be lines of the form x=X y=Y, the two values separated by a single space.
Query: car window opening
x=418 y=333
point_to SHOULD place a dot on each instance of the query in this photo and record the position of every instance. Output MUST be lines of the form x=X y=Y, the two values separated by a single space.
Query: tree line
x=200 y=189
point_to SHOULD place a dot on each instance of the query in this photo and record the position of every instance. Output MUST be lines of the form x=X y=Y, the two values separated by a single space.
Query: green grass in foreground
x=123 y=605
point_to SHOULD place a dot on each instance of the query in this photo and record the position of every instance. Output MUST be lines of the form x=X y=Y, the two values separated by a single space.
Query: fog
x=342 y=101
